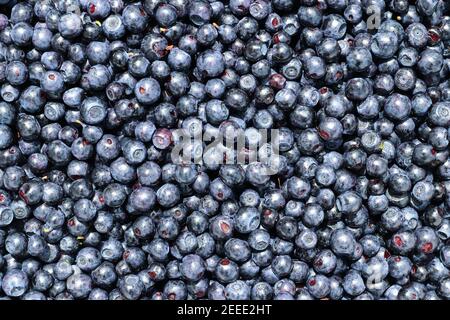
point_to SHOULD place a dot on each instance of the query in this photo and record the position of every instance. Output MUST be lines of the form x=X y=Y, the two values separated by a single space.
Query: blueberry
x=113 y=27
x=147 y=91
x=134 y=18
x=142 y=199
x=15 y=283
x=199 y=12
x=192 y=267
x=354 y=185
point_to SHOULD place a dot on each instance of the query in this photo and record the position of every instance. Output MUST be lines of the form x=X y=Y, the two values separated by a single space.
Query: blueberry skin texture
x=246 y=220
x=147 y=91
x=210 y=64
x=79 y=285
x=93 y=110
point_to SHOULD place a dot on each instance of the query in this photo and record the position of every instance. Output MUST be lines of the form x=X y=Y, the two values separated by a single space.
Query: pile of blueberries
x=92 y=205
